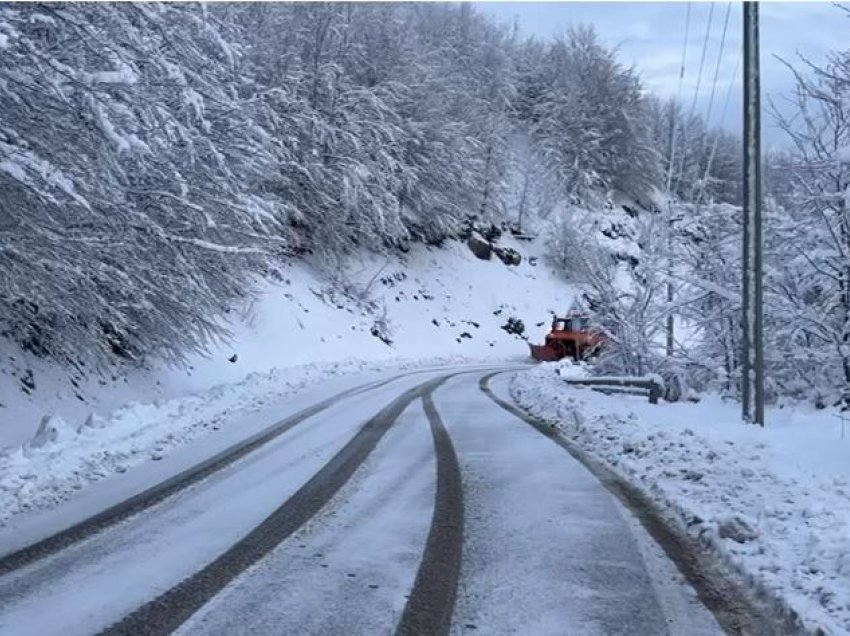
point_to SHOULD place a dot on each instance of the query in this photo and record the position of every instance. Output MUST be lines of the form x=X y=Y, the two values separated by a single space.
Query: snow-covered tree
x=591 y=119
x=123 y=149
x=156 y=158
x=810 y=276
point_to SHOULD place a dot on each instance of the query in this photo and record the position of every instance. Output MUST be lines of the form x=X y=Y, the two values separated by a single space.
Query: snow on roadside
x=754 y=496
x=428 y=302
x=378 y=310
x=64 y=458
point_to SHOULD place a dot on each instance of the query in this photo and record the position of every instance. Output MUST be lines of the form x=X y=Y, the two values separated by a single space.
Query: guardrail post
x=654 y=392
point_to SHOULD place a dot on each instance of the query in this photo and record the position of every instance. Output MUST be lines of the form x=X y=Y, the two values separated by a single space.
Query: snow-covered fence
x=650 y=386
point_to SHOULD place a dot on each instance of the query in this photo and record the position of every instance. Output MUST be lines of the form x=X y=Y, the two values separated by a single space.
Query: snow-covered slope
x=431 y=305
x=435 y=301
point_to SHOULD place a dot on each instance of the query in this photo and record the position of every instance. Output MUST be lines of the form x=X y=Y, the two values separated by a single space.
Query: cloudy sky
x=650 y=35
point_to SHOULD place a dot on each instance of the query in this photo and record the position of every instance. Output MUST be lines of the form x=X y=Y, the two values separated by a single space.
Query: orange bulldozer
x=570 y=337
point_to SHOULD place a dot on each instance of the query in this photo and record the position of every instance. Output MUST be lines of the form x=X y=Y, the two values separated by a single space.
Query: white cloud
x=650 y=36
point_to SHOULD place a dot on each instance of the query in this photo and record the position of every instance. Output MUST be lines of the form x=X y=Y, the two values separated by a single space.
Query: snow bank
x=429 y=302
x=363 y=314
x=774 y=503
x=60 y=459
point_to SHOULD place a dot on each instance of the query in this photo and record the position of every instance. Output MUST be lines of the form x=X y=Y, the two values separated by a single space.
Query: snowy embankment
x=430 y=306
x=62 y=459
x=773 y=503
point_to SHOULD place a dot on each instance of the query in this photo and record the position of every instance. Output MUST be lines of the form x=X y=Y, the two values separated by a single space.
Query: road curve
x=139 y=559
x=406 y=506
x=167 y=612
x=158 y=492
x=535 y=557
x=732 y=605
x=547 y=549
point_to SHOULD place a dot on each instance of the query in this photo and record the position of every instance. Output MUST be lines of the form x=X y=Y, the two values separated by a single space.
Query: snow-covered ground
x=773 y=502
x=432 y=306
x=34 y=478
x=544 y=545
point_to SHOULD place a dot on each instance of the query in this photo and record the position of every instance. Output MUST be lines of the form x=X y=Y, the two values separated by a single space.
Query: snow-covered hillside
x=433 y=301
x=427 y=306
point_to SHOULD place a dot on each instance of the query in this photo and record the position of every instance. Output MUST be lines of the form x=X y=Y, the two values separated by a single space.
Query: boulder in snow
x=480 y=246
x=508 y=255
x=514 y=326
x=737 y=528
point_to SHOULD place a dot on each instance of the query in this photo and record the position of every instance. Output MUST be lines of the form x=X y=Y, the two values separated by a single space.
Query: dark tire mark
x=171 y=609
x=732 y=605
x=431 y=602
x=171 y=486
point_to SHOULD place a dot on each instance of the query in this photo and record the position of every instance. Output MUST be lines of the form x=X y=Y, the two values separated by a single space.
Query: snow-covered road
x=352 y=522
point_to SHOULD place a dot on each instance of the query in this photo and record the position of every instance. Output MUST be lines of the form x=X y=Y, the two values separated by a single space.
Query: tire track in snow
x=731 y=604
x=171 y=609
x=171 y=486
x=431 y=602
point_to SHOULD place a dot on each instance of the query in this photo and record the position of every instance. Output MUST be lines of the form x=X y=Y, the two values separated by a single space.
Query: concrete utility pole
x=752 y=389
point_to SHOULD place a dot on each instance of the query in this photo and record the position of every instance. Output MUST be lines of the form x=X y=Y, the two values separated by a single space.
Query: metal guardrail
x=650 y=387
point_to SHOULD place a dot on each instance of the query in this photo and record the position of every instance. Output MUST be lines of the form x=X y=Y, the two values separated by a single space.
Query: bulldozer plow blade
x=543 y=353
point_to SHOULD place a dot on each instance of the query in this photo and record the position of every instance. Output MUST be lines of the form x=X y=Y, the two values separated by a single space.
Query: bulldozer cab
x=571 y=323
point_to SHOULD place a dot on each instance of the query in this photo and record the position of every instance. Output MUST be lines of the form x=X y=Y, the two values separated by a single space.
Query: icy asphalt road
x=419 y=506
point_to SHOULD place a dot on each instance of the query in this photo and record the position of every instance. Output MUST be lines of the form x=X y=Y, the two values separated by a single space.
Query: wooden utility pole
x=752 y=380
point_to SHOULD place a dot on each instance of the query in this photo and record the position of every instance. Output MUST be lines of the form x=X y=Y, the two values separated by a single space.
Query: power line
x=696 y=88
x=729 y=88
x=671 y=158
x=702 y=185
x=722 y=118
x=702 y=59
x=719 y=60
